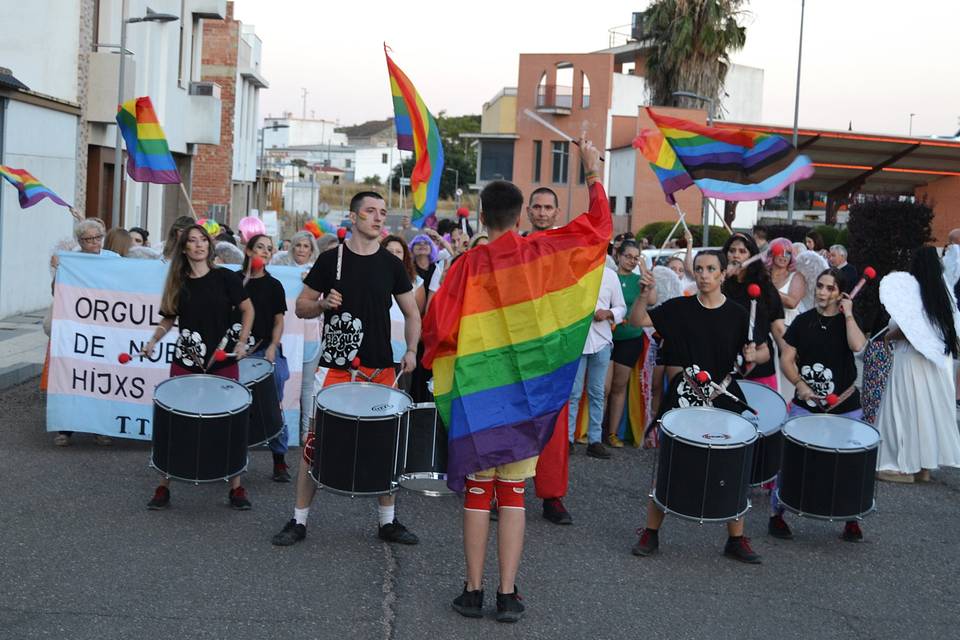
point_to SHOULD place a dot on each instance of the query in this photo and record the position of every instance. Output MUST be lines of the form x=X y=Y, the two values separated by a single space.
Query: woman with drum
x=769 y=315
x=269 y=305
x=200 y=298
x=704 y=335
x=917 y=420
x=818 y=359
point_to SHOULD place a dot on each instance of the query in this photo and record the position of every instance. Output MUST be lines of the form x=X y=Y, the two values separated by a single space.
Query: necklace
x=824 y=324
x=723 y=299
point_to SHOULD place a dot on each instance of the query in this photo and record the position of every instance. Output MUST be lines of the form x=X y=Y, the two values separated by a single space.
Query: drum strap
x=843 y=396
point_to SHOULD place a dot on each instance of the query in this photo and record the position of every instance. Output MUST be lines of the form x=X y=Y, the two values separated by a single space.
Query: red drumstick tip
x=355 y=363
x=753 y=291
x=463 y=212
x=124 y=358
x=219 y=355
x=869 y=273
x=777 y=250
x=702 y=377
x=832 y=399
x=256 y=263
x=341 y=233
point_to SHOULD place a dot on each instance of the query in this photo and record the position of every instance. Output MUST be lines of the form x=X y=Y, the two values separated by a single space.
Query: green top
x=630 y=283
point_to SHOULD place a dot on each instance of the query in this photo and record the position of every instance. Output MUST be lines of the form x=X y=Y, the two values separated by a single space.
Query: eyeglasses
x=625 y=256
x=92 y=239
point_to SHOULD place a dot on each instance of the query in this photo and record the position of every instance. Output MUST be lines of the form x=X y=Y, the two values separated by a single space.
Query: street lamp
x=260 y=158
x=152 y=16
x=706 y=205
x=456 y=179
x=911 y=124
x=791 y=191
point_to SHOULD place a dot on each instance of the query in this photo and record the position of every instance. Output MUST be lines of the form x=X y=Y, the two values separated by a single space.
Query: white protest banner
x=104 y=306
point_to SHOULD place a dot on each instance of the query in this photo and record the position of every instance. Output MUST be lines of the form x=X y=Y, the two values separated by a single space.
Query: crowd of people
x=775 y=312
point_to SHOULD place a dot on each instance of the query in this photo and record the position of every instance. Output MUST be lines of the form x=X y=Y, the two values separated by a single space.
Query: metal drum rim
x=426 y=475
x=177 y=412
x=702 y=445
x=684 y=516
x=353 y=494
x=786 y=409
x=261 y=378
x=194 y=481
x=807 y=445
x=317 y=405
x=815 y=516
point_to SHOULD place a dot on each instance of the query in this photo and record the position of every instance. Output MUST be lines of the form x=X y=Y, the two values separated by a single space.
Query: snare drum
x=266 y=418
x=704 y=465
x=828 y=467
x=424 y=468
x=358 y=433
x=200 y=428
x=772 y=410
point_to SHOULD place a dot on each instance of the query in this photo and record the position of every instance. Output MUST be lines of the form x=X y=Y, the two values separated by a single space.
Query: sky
x=867 y=62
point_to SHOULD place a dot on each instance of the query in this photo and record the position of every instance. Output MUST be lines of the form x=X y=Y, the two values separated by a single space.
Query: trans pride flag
x=31 y=190
x=417 y=131
x=504 y=336
x=148 y=156
x=729 y=164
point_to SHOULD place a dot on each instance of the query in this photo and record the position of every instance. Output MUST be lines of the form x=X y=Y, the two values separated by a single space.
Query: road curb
x=17 y=374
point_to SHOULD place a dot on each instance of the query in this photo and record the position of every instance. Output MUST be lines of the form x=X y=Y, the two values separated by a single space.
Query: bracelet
x=590 y=175
x=409 y=350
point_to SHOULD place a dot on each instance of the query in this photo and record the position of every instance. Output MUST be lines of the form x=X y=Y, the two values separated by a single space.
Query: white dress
x=789 y=314
x=917 y=419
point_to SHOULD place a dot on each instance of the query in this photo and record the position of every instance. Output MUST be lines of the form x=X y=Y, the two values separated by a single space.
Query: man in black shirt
x=356 y=282
x=705 y=332
x=838 y=260
x=818 y=359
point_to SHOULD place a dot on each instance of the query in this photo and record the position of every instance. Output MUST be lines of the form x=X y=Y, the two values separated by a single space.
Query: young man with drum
x=701 y=333
x=356 y=282
x=818 y=358
x=201 y=297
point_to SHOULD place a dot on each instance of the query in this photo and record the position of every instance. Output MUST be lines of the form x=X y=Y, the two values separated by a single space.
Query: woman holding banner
x=200 y=298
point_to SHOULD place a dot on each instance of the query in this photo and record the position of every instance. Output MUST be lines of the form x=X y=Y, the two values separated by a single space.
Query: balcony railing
x=554 y=98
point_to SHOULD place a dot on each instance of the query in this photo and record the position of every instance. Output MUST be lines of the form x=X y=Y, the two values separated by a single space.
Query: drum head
x=832 y=432
x=706 y=426
x=770 y=405
x=254 y=370
x=202 y=395
x=363 y=400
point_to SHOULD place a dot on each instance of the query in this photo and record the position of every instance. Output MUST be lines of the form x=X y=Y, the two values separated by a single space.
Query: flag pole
x=674 y=229
x=714 y=207
x=187 y=196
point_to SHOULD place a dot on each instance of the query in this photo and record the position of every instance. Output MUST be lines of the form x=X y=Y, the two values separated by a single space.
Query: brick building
x=224 y=175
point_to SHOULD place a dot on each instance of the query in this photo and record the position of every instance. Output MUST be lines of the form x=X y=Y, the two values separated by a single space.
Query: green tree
x=692 y=40
x=457 y=155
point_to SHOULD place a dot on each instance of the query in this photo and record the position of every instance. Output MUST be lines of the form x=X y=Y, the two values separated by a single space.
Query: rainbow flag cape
x=148 y=156
x=729 y=164
x=417 y=131
x=31 y=190
x=504 y=336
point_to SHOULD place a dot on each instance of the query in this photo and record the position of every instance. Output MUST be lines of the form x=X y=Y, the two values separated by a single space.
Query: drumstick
x=776 y=251
x=754 y=292
x=396 y=380
x=868 y=274
x=354 y=369
x=703 y=377
x=255 y=265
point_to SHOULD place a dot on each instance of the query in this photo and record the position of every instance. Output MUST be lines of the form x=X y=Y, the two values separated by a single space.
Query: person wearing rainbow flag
x=501 y=380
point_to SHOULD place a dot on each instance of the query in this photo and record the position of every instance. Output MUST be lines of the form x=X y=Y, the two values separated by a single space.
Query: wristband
x=590 y=175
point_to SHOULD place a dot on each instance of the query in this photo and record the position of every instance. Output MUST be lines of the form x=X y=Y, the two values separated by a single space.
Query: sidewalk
x=23 y=345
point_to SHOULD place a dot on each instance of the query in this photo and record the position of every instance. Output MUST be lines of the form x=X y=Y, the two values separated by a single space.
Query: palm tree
x=692 y=40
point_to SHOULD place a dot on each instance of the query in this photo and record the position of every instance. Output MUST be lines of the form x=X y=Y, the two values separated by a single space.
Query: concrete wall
x=43 y=142
x=744 y=86
x=369 y=162
x=301 y=132
x=500 y=114
x=39 y=42
x=622 y=168
x=944 y=196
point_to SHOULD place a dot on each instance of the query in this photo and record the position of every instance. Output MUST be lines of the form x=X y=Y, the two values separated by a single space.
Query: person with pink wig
x=790 y=283
x=249 y=227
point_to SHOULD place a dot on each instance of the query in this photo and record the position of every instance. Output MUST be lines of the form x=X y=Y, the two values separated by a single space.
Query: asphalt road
x=80 y=557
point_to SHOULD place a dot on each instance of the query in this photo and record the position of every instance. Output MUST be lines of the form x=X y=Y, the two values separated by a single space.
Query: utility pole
x=303 y=94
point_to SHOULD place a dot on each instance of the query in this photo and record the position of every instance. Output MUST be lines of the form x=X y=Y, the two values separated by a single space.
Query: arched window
x=543 y=91
x=585 y=91
x=564 y=85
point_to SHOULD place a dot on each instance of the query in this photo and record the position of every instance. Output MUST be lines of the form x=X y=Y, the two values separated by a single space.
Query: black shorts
x=626 y=352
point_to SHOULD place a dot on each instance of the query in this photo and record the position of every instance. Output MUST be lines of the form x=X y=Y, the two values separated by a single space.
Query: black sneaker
x=597 y=450
x=555 y=512
x=239 y=500
x=291 y=534
x=648 y=544
x=280 y=473
x=778 y=528
x=396 y=532
x=160 y=499
x=470 y=603
x=739 y=549
x=509 y=607
x=852 y=532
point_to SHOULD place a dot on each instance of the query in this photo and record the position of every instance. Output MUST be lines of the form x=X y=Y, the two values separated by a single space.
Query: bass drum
x=703 y=472
x=424 y=467
x=266 y=417
x=772 y=413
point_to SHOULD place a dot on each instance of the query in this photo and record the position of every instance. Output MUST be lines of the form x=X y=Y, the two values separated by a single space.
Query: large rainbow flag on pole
x=417 y=131
x=148 y=156
x=31 y=190
x=729 y=164
x=504 y=336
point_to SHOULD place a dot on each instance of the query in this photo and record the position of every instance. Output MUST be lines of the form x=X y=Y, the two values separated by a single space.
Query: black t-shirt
x=205 y=314
x=268 y=299
x=769 y=308
x=697 y=338
x=850 y=277
x=426 y=274
x=824 y=358
x=361 y=326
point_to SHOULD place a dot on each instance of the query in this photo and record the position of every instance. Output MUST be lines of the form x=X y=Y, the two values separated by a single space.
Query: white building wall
x=375 y=161
x=629 y=94
x=39 y=42
x=246 y=111
x=301 y=132
x=744 y=88
x=44 y=142
x=622 y=166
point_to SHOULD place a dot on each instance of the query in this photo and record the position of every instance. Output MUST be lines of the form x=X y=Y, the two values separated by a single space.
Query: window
x=383 y=158
x=537 y=159
x=585 y=91
x=497 y=160
x=349 y=163
x=560 y=153
x=629 y=205
x=583 y=175
x=613 y=204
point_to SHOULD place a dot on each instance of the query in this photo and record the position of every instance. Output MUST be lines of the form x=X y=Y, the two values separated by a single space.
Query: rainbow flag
x=148 y=156
x=729 y=164
x=504 y=336
x=417 y=131
x=31 y=190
